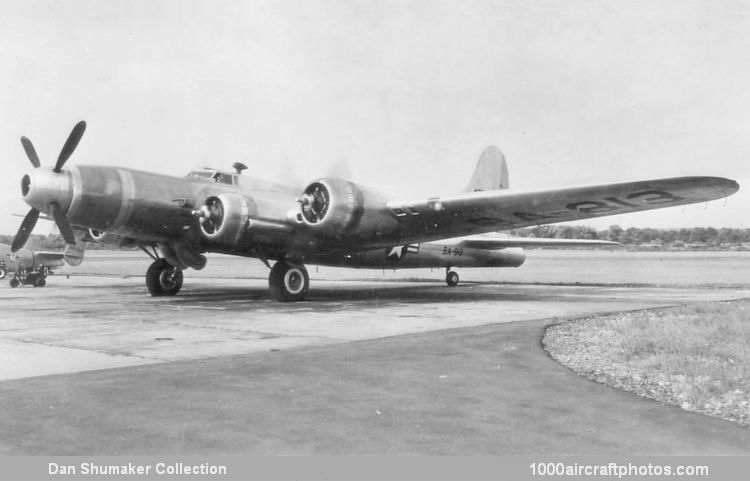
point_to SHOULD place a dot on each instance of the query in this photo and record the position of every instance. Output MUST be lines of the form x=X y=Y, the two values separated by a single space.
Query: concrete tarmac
x=92 y=365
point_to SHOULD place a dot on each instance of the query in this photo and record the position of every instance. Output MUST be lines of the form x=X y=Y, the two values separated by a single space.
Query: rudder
x=491 y=172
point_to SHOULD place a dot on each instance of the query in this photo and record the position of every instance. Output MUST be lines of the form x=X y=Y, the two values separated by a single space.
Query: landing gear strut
x=288 y=282
x=163 y=279
x=451 y=277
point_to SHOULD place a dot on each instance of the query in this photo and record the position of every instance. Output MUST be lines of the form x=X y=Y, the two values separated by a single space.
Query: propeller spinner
x=51 y=183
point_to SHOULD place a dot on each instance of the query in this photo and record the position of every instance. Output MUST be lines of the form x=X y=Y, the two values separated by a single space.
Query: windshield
x=213 y=175
x=201 y=174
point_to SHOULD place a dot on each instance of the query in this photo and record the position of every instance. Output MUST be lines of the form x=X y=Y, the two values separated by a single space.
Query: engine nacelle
x=339 y=208
x=225 y=217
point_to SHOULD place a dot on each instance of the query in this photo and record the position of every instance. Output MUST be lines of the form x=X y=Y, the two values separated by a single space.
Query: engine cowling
x=338 y=208
x=224 y=217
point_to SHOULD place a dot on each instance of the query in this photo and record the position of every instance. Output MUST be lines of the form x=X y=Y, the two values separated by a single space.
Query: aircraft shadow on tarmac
x=337 y=295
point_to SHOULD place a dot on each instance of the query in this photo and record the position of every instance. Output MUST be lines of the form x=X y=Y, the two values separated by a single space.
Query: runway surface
x=92 y=365
x=86 y=323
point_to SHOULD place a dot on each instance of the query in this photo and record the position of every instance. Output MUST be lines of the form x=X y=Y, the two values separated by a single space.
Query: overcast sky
x=407 y=92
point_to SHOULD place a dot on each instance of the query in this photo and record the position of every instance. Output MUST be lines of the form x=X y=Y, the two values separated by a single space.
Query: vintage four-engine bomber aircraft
x=32 y=267
x=332 y=222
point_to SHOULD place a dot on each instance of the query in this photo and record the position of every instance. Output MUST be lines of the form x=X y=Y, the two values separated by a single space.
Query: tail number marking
x=608 y=204
x=453 y=251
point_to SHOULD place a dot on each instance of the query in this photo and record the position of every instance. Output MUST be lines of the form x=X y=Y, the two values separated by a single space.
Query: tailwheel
x=451 y=278
x=288 y=282
x=163 y=279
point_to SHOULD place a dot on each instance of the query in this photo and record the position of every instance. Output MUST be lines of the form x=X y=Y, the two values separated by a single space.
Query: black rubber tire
x=40 y=281
x=288 y=282
x=451 y=278
x=14 y=282
x=163 y=279
x=3 y=272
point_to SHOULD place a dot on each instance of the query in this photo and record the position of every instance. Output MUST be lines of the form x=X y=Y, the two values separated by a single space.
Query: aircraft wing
x=49 y=259
x=476 y=212
x=491 y=243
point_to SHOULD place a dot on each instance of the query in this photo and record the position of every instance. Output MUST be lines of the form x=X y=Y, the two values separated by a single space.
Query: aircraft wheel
x=3 y=272
x=288 y=282
x=14 y=282
x=451 y=278
x=163 y=279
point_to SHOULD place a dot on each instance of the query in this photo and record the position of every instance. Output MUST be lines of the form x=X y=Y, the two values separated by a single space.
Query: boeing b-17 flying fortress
x=456 y=234
x=225 y=329
x=331 y=222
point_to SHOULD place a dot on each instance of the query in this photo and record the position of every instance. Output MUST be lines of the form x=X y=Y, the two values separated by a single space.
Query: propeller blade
x=62 y=223
x=25 y=230
x=30 y=152
x=70 y=145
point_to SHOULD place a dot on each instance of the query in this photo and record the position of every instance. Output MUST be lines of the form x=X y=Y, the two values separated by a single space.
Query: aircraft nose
x=42 y=187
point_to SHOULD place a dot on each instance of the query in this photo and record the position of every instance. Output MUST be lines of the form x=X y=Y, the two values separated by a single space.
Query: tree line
x=683 y=238
x=637 y=237
x=51 y=242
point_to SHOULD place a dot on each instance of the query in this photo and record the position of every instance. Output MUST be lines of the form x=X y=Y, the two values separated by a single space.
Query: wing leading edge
x=477 y=212
x=49 y=259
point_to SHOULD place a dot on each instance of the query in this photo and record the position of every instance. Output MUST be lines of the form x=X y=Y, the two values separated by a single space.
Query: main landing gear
x=163 y=279
x=451 y=277
x=288 y=282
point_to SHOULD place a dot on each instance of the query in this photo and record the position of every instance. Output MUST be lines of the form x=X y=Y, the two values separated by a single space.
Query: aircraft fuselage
x=147 y=206
x=428 y=254
x=24 y=259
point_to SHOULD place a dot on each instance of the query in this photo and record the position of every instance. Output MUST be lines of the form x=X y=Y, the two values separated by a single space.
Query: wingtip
x=730 y=186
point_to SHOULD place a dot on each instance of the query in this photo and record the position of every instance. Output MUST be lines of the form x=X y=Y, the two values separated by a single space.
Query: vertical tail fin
x=491 y=172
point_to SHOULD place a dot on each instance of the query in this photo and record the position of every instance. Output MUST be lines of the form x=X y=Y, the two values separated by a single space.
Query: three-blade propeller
x=57 y=213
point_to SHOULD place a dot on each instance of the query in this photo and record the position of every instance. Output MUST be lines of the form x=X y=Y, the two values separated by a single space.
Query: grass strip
x=696 y=357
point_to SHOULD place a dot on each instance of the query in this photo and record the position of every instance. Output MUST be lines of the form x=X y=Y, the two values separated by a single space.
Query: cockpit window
x=222 y=178
x=201 y=174
x=213 y=175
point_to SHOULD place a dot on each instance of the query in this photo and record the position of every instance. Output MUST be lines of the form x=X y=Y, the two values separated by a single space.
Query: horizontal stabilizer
x=490 y=243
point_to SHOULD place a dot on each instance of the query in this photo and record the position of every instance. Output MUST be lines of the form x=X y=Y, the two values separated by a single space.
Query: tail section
x=491 y=172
